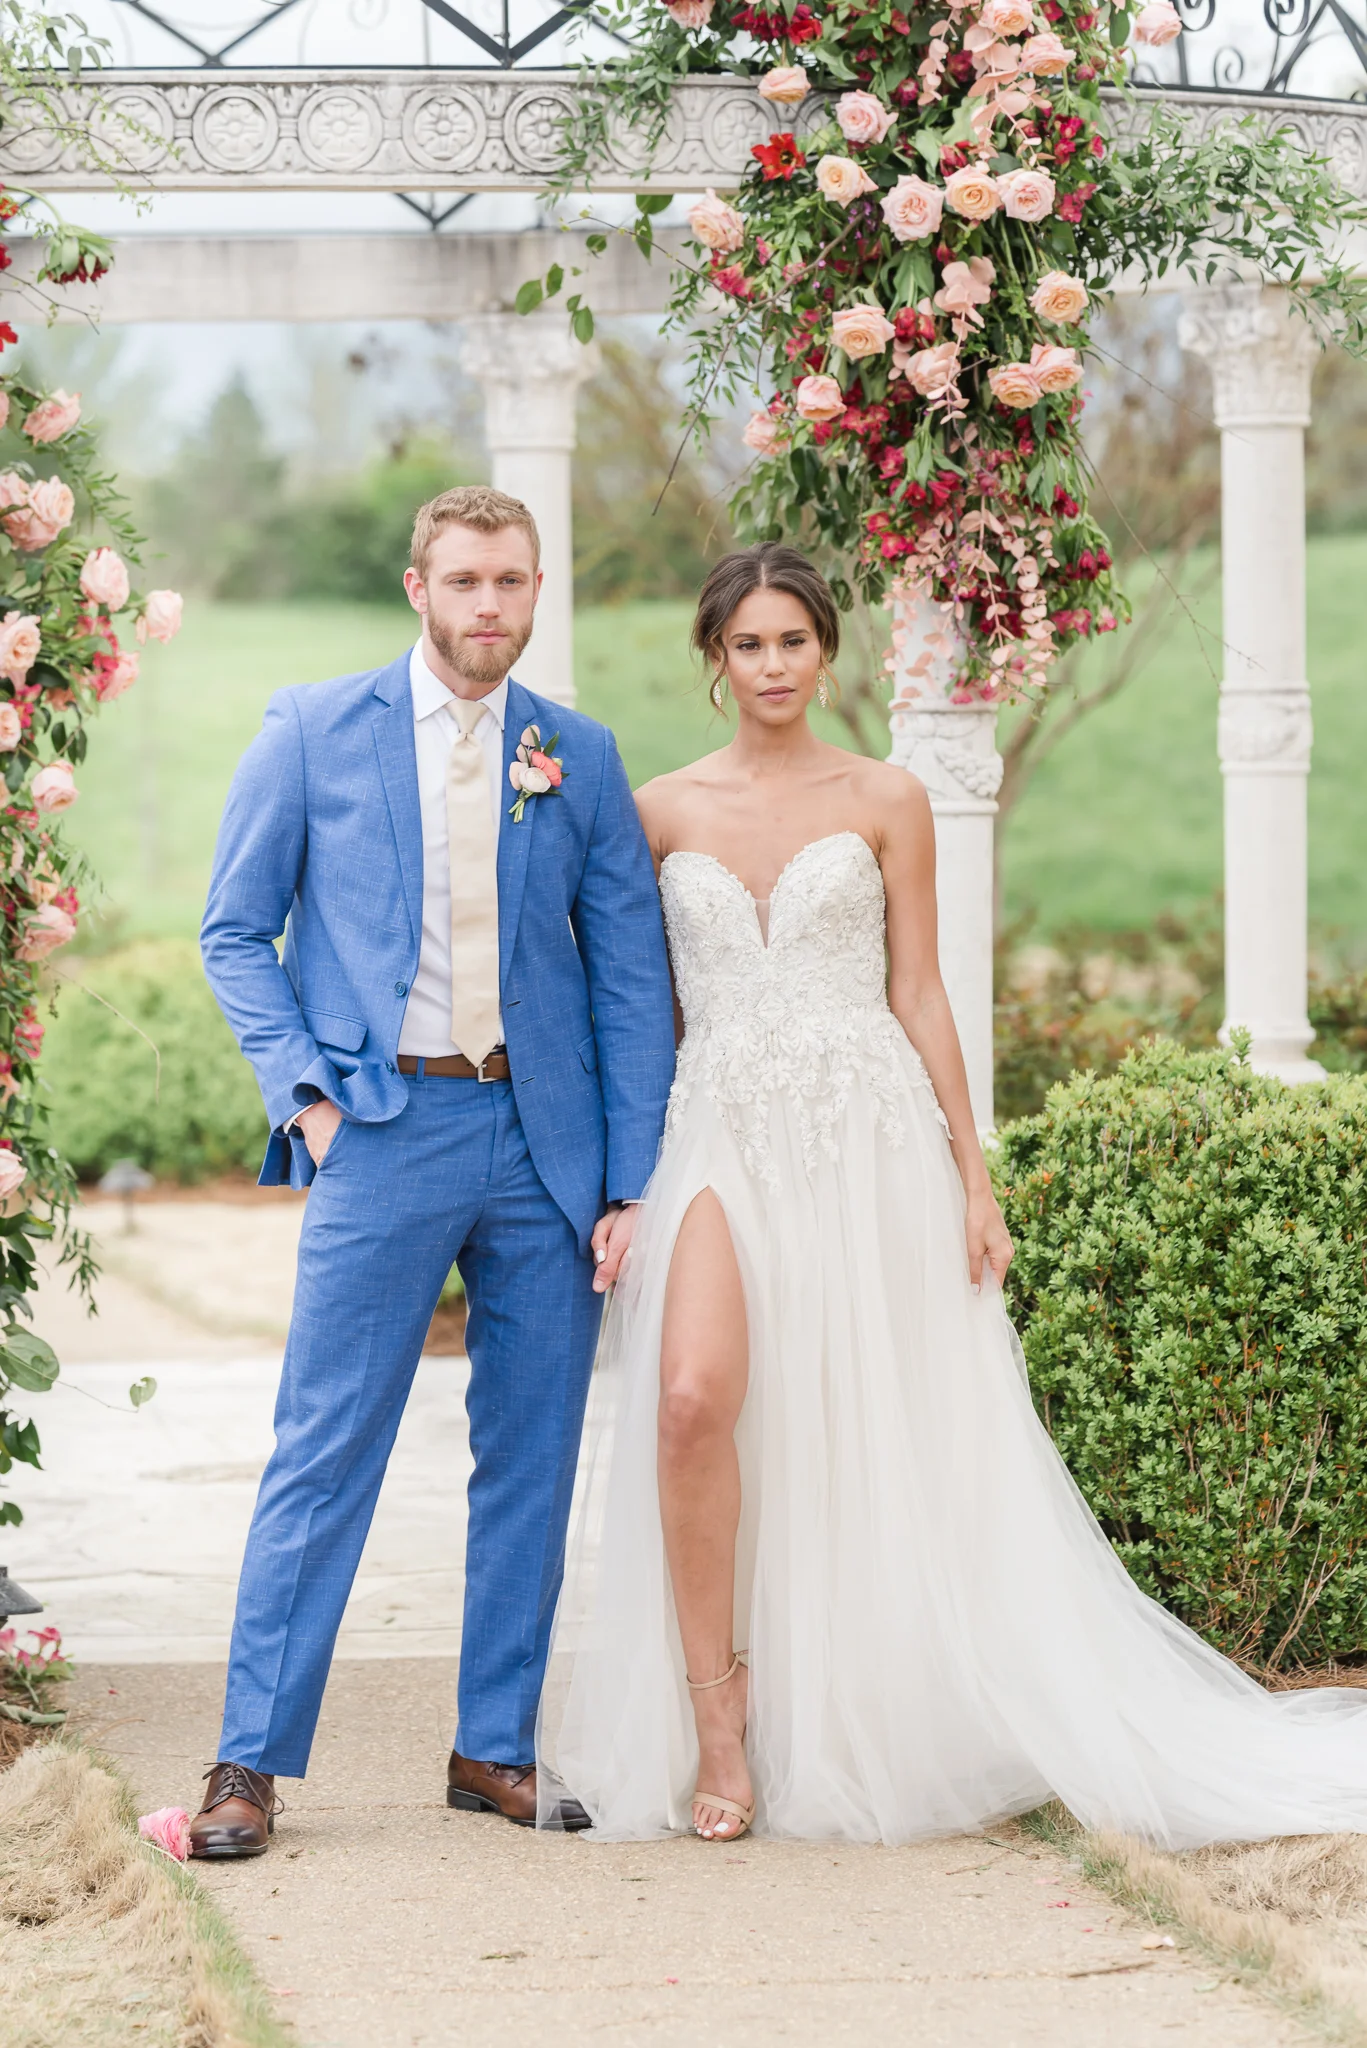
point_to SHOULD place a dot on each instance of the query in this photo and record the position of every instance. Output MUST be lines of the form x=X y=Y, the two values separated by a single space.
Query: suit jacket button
x=401 y=988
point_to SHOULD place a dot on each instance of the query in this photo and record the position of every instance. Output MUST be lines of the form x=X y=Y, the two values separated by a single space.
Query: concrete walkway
x=382 y=1920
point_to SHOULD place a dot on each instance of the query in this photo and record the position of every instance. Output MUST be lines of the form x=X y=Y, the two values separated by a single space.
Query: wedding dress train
x=937 y=1631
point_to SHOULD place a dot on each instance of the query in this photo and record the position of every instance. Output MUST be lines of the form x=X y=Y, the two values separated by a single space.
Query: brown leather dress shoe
x=238 y=1814
x=508 y=1790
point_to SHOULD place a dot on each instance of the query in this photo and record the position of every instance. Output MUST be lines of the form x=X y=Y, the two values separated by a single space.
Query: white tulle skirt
x=938 y=1633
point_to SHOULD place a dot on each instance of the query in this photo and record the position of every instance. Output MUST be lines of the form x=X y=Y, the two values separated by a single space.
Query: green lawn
x=1123 y=823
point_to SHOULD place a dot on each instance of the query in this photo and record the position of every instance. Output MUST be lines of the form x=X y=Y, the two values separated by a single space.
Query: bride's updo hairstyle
x=770 y=566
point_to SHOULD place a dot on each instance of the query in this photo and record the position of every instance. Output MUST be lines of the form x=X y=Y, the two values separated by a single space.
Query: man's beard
x=478 y=664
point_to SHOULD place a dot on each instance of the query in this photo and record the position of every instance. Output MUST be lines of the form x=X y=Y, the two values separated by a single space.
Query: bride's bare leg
x=704 y=1364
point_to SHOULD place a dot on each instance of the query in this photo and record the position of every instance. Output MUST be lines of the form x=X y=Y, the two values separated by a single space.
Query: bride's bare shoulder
x=893 y=795
x=669 y=802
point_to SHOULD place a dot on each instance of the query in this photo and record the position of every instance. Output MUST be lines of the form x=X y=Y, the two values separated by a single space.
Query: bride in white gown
x=810 y=1438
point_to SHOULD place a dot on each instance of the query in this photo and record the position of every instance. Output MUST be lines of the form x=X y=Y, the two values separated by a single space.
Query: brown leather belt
x=455 y=1067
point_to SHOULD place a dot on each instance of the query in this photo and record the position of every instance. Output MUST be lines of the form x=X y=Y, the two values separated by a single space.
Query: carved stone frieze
x=489 y=130
x=1265 y=731
x=1261 y=355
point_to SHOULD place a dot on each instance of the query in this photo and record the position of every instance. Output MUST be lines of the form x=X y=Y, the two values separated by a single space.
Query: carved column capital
x=529 y=369
x=1265 y=732
x=952 y=748
x=1261 y=354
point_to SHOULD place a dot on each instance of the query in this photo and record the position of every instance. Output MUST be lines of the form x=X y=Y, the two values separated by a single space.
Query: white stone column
x=1261 y=356
x=953 y=749
x=530 y=369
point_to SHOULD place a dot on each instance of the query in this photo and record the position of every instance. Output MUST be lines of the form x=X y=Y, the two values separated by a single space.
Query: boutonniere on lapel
x=534 y=770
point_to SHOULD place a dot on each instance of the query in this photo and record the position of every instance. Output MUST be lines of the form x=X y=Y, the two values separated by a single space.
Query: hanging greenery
x=907 y=273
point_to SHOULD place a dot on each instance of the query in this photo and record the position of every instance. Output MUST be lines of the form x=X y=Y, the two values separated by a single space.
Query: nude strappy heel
x=744 y=1814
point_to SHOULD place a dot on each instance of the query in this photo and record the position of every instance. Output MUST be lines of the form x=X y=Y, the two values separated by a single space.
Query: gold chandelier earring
x=823 y=689
x=718 y=691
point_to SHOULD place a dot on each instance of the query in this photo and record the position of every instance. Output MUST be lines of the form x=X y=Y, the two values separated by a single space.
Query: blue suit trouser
x=394 y=1205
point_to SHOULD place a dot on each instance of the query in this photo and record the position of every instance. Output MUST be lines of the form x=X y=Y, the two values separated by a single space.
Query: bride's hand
x=988 y=1238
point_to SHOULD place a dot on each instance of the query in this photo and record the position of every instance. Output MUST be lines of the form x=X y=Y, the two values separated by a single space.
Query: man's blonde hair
x=474 y=505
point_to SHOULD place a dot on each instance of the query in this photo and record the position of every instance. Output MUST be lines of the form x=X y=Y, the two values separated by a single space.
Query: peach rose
x=819 y=398
x=13 y=489
x=912 y=209
x=46 y=930
x=715 y=224
x=762 y=433
x=932 y=370
x=862 y=117
x=965 y=286
x=168 y=1829
x=841 y=179
x=1014 y=384
x=1158 y=23
x=1027 y=195
x=785 y=85
x=1059 y=298
x=43 y=881
x=1045 y=55
x=104 y=579
x=690 y=13
x=528 y=781
x=54 y=787
x=11 y=729
x=862 y=331
x=113 y=676
x=13 y=1172
x=1007 y=17
x=161 y=615
x=54 y=417
x=1055 y=369
x=20 y=645
x=36 y=523
x=972 y=192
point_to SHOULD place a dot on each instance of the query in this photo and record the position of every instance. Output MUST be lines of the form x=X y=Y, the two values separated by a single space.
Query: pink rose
x=1045 y=55
x=54 y=787
x=972 y=192
x=715 y=224
x=912 y=209
x=13 y=489
x=690 y=13
x=1014 y=384
x=161 y=615
x=1027 y=195
x=1007 y=17
x=785 y=85
x=20 y=644
x=11 y=730
x=933 y=370
x=819 y=398
x=13 y=1172
x=762 y=433
x=1158 y=23
x=863 y=118
x=47 y=929
x=965 y=286
x=861 y=331
x=1059 y=297
x=112 y=675
x=841 y=179
x=36 y=523
x=548 y=766
x=104 y=580
x=54 y=417
x=1055 y=369
x=167 y=1829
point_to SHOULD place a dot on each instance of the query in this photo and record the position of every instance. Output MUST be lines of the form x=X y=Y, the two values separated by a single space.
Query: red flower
x=960 y=67
x=804 y=26
x=779 y=156
x=1065 y=506
x=1052 y=12
x=952 y=158
x=7 y=335
x=1070 y=206
x=732 y=281
x=1083 y=22
x=28 y=1036
x=1071 y=127
x=68 y=900
x=906 y=94
x=891 y=463
x=84 y=272
x=913 y=326
x=1097 y=146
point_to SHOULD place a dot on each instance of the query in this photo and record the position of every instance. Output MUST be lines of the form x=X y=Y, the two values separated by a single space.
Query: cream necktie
x=473 y=853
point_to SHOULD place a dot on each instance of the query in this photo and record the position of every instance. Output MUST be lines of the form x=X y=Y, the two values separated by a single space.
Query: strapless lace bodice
x=804 y=1018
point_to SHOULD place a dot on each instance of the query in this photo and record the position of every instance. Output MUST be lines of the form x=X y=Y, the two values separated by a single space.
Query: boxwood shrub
x=1191 y=1291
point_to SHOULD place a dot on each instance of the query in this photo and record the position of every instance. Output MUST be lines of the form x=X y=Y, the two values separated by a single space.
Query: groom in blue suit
x=465 y=1049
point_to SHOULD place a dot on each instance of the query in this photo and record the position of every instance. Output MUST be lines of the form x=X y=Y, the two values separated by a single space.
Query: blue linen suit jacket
x=321 y=839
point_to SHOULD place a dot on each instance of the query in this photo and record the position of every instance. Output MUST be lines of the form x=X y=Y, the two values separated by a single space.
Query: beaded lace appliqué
x=803 y=1019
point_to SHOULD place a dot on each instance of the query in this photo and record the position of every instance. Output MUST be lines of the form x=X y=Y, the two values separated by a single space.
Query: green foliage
x=1189 y=1285
x=205 y=1118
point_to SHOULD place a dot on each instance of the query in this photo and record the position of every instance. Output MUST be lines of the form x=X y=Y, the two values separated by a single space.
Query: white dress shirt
x=426 y=1029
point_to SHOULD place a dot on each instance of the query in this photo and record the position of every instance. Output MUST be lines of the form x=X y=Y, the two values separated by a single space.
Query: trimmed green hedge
x=1191 y=1290
x=208 y=1117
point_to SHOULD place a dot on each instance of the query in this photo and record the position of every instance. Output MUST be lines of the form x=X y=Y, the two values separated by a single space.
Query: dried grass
x=1290 y=1916
x=104 y=1943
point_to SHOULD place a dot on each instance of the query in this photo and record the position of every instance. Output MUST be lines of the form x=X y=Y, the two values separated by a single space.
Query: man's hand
x=611 y=1242
x=319 y=1123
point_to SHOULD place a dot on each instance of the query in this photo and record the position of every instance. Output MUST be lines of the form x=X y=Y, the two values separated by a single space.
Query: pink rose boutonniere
x=534 y=770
